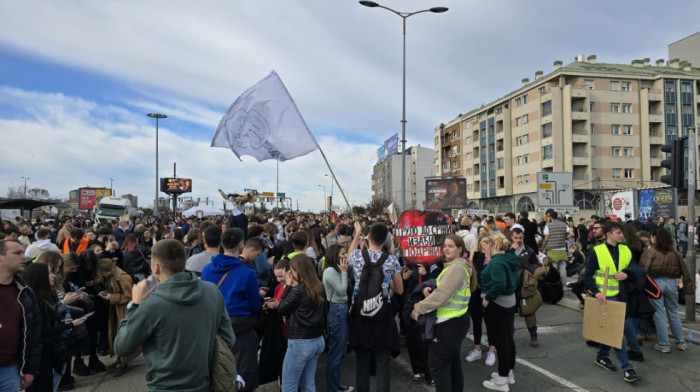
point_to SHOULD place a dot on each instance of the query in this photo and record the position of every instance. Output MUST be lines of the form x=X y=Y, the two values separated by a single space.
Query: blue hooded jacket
x=239 y=289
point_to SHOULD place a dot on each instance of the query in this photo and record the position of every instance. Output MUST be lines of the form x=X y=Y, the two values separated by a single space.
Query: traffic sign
x=573 y=210
x=473 y=212
x=555 y=189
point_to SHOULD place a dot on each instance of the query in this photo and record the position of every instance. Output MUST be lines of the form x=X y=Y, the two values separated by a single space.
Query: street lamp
x=157 y=116
x=324 y=197
x=404 y=16
x=25 y=185
x=111 y=187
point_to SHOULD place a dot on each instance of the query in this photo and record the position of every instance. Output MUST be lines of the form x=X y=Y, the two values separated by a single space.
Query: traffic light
x=675 y=164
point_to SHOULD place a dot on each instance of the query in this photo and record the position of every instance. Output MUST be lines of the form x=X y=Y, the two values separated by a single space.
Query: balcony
x=655 y=95
x=579 y=92
x=579 y=137
x=579 y=114
x=656 y=116
x=546 y=163
x=656 y=138
x=655 y=162
x=580 y=159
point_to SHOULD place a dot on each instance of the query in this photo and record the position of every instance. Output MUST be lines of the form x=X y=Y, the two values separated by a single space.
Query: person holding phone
x=335 y=282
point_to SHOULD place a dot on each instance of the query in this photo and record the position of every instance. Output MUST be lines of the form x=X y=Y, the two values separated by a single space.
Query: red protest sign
x=421 y=234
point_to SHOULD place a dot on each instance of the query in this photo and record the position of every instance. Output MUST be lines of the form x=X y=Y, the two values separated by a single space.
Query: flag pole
x=336 y=182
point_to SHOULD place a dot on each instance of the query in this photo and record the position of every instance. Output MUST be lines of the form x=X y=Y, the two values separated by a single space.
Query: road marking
x=551 y=375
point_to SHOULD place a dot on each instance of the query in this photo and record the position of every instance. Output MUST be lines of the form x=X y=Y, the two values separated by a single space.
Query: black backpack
x=551 y=286
x=370 y=302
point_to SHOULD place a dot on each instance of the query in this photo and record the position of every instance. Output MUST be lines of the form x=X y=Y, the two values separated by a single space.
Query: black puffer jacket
x=31 y=329
x=305 y=320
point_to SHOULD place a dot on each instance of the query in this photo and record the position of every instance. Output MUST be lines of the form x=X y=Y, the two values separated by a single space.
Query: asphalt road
x=562 y=362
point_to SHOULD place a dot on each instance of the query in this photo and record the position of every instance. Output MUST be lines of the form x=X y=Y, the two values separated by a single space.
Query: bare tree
x=17 y=192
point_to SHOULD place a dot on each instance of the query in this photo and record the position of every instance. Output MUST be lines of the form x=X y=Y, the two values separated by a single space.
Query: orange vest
x=82 y=245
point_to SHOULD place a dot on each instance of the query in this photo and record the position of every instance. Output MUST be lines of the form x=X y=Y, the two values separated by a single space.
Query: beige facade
x=605 y=123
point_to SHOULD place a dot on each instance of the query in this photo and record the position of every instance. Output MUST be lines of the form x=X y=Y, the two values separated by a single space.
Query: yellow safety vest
x=289 y=256
x=606 y=260
x=459 y=303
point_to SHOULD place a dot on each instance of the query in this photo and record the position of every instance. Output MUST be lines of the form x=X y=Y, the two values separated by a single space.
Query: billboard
x=391 y=146
x=657 y=202
x=446 y=194
x=619 y=203
x=175 y=185
x=88 y=197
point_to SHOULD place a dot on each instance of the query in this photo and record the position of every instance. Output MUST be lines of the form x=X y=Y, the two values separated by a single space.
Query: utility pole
x=690 y=254
x=25 y=185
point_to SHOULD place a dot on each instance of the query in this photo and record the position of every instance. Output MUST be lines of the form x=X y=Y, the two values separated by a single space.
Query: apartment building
x=386 y=177
x=605 y=123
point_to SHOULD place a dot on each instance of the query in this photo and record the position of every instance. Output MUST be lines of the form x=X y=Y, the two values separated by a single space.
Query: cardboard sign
x=604 y=323
x=421 y=234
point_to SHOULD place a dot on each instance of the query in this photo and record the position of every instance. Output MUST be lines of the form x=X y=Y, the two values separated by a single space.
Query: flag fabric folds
x=265 y=123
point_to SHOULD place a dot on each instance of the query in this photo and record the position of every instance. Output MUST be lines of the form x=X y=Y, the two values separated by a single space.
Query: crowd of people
x=281 y=289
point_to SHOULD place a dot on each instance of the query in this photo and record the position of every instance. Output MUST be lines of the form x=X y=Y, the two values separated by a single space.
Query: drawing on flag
x=264 y=122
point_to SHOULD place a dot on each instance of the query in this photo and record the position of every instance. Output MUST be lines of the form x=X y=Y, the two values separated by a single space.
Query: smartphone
x=268 y=299
x=80 y=290
x=89 y=314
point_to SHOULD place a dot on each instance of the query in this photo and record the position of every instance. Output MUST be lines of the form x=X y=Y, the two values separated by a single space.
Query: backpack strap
x=222 y=279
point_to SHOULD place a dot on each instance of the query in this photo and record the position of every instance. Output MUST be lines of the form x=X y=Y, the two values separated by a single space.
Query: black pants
x=417 y=350
x=500 y=332
x=362 y=373
x=245 y=350
x=476 y=311
x=444 y=357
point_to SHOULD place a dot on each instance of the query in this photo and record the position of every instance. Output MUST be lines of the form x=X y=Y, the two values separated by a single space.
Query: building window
x=517 y=122
x=526 y=139
x=517 y=102
x=547 y=152
x=626 y=129
x=627 y=151
x=686 y=87
x=616 y=151
x=518 y=141
x=593 y=173
x=519 y=179
x=617 y=173
x=526 y=158
x=614 y=86
x=525 y=119
x=629 y=173
x=547 y=108
x=614 y=107
x=468 y=156
x=500 y=163
x=524 y=99
x=543 y=90
x=592 y=151
x=468 y=140
x=526 y=177
x=588 y=83
x=546 y=130
x=626 y=108
x=591 y=107
x=469 y=172
x=518 y=159
x=615 y=129
x=469 y=187
x=592 y=129
x=626 y=86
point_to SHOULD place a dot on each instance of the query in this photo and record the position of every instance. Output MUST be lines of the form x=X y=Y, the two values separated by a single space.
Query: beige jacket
x=450 y=283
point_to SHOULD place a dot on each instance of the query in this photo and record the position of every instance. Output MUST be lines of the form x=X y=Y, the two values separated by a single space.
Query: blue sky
x=77 y=79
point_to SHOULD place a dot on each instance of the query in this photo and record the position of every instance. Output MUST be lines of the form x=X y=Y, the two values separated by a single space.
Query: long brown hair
x=303 y=266
x=459 y=242
x=55 y=263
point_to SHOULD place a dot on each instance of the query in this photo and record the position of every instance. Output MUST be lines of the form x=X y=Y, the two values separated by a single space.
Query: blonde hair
x=498 y=242
x=104 y=265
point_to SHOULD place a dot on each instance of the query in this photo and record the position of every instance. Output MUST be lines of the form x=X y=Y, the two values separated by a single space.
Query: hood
x=181 y=288
x=510 y=259
x=222 y=263
x=43 y=244
x=463 y=233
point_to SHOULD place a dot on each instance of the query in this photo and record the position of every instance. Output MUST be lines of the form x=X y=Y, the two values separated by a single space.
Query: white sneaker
x=511 y=377
x=474 y=355
x=490 y=359
x=496 y=385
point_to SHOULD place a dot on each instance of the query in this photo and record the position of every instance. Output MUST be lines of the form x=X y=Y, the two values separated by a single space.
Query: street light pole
x=111 y=188
x=157 y=116
x=331 y=203
x=25 y=185
x=324 y=197
x=404 y=16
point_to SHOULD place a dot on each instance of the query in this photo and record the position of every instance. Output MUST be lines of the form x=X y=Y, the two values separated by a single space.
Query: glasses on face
x=596 y=227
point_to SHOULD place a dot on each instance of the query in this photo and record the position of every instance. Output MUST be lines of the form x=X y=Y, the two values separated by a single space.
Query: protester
x=176 y=323
x=527 y=259
x=21 y=318
x=273 y=347
x=479 y=257
x=135 y=260
x=211 y=241
x=450 y=301
x=335 y=283
x=41 y=245
x=665 y=265
x=556 y=234
x=498 y=283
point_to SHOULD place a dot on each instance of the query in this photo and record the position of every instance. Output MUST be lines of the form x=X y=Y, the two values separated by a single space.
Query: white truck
x=109 y=208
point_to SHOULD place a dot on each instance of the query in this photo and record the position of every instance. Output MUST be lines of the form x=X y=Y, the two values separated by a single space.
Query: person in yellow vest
x=450 y=300
x=616 y=256
x=76 y=242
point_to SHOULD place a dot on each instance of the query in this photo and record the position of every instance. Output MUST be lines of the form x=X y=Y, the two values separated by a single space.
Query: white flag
x=265 y=123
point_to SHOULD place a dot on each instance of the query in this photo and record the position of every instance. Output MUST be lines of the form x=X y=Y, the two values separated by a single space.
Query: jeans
x=382 y=358
x=684 y=247
x=667 y=305
x=299 y=368
x=57 y=377
x=337 y=343
x=9 y=378
x=499 y=328
x=621 y=353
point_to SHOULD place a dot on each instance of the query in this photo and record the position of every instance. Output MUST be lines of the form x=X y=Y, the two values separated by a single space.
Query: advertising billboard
x=657 y=202
x=391 y=146
x=446 y=194
x=619 y=203
x=175 y=185
x=90 y=196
